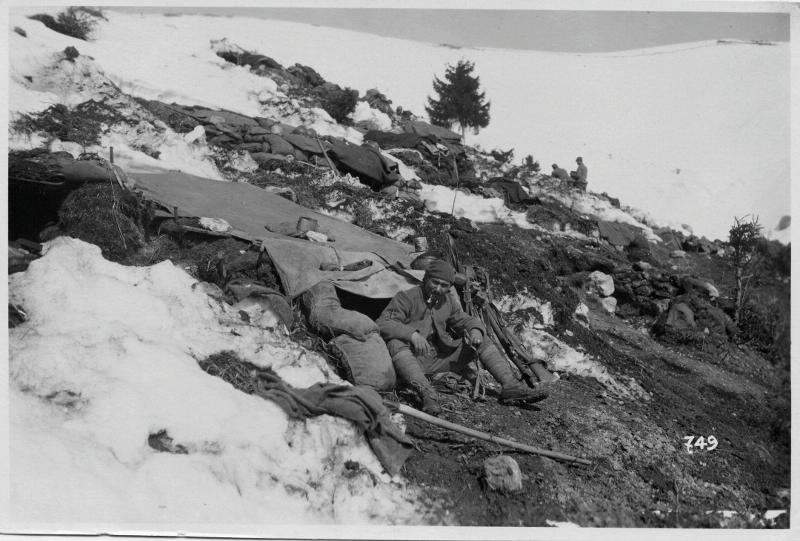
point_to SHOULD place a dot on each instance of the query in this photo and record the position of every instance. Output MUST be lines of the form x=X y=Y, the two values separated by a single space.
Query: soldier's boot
x=410 y=371
x=513 y=389
x=429 y=399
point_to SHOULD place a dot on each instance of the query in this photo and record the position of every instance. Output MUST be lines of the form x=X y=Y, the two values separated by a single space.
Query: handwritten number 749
x=700 y=442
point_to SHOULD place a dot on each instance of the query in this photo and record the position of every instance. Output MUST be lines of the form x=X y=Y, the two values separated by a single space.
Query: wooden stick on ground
x=402 y=408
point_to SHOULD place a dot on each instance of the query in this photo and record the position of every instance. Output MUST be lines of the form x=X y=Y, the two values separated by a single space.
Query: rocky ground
x=642 y=473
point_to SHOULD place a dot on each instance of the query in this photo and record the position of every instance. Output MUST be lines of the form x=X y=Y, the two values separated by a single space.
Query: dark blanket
x=366 y=163
x=361 y=405
x=512 y=190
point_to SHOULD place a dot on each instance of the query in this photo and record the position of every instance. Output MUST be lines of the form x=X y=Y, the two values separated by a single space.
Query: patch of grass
x=107 y=216
x=58 y=121
x=337 y=101
x=77 y=22
x=83 y=125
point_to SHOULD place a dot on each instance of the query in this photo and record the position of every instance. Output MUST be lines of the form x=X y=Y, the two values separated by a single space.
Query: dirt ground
x=641 y=474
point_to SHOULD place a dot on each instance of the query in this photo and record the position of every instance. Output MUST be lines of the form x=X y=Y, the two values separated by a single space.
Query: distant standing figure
x=580 y=174
x=559 y=173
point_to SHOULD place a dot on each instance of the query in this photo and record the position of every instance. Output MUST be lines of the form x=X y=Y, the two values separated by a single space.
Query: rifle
x=478 y=390
x=469 y=308
x=531 y=370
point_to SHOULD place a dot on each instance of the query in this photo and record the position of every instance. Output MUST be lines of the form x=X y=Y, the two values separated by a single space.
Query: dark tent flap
x=251 y=210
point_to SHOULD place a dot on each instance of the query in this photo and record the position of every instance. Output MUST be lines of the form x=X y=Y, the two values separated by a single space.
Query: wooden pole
x=402 y=408
x=455 y=193
x=330 y=163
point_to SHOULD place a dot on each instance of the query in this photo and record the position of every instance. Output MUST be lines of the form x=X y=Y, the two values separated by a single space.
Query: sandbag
x=366 y=362
x=327 y=317
x=279 y=145
x=265 y=157
x=304 y=143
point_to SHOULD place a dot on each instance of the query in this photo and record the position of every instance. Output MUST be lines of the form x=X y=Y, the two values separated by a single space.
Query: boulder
x=601 y=283
x=587 y=260
x=677 y=254
x=502 y=474
x=690 y=284
x=672 y=239
x=609 y=304
x=617 y=234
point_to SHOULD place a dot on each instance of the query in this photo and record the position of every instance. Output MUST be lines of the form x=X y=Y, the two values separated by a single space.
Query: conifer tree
x=460 y=100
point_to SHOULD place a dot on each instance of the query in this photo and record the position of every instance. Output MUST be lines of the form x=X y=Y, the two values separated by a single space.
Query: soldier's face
x=435 y=288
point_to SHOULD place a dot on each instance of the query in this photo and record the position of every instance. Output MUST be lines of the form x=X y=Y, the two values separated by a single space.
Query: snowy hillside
x=694 y=134
x=105 y=357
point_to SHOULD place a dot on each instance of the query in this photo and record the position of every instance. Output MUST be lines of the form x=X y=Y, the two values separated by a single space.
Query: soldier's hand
x=422 y=348
x=475 y=338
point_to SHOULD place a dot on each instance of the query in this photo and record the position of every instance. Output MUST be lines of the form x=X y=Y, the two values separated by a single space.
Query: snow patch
x=561 y=357
x=523 y=301
x=109 y=357
x=472 y=207
x=371 y=118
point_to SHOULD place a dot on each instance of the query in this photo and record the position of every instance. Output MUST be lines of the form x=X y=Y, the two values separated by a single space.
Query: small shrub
x=378 y=100
x=20 y=31
x=71 y=53
x=338 y=102
x=306 y=75
x=744 y=239
x=76 y=22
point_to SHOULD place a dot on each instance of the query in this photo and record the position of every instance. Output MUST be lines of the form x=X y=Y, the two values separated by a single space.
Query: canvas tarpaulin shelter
x=260 y=216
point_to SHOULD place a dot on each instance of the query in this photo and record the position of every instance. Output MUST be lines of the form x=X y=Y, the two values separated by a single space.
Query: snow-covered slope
x=695 y=133
x=109 y=353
